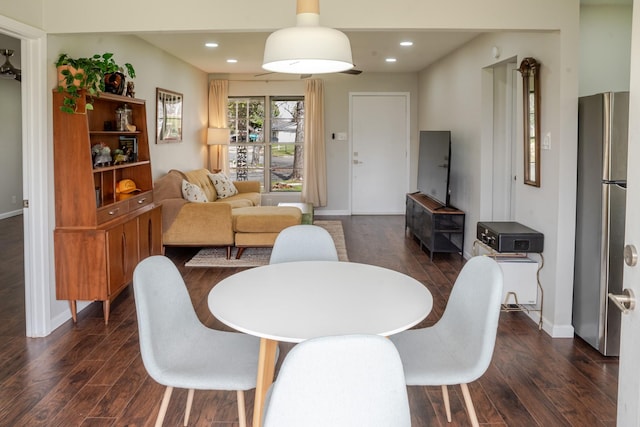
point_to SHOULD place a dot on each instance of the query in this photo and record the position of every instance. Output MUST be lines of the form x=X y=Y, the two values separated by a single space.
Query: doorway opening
x=36 y=186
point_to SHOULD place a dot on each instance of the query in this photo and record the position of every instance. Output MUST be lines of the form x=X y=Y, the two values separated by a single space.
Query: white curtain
x=218 y=98
x=314 y=186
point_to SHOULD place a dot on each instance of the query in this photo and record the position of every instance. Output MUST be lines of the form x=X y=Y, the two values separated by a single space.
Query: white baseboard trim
x=554 y=331
x=324 y=212
x=10 y=214
x=61 y=318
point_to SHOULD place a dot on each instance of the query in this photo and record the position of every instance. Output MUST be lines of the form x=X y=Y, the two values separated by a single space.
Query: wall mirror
x=168 y=116
x=530 y=70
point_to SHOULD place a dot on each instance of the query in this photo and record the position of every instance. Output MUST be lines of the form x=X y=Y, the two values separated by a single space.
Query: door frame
x=36 y=167
x=407 y=168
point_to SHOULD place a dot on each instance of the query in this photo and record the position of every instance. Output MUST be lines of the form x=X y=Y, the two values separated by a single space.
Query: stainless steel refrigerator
x=601 y=202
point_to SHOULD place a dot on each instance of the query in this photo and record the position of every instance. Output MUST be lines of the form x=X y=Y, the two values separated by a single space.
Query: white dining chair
x=303 y=243
x=339 y=381
x=178 y=350
x=459 y=347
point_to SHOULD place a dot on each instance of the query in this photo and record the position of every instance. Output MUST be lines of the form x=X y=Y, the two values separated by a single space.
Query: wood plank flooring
x=90 y=374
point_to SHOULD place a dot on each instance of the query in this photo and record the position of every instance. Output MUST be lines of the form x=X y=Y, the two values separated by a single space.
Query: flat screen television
x=433 y=165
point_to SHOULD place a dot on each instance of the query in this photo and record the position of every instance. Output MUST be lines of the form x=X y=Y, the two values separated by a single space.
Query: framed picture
x=168 y=116
x=129 y=146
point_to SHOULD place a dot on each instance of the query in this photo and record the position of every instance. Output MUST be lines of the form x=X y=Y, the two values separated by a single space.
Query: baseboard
x=325 y=212
x=10 y=214
x=63 y=317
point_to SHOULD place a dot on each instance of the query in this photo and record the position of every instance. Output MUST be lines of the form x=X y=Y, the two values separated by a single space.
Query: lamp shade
x=218 y=136
x=307 y=48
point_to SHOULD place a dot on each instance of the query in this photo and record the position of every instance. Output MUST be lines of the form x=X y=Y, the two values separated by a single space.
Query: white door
x=629 y=372
x=379 y=145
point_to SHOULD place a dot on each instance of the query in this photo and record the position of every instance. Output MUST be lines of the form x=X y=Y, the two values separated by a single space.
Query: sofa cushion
x=193 y=193
x=224 y=186
x=168 y=186
x=200 y=177
x=264 y=219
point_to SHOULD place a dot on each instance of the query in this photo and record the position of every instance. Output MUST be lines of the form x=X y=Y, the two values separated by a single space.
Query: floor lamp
x=219 y=137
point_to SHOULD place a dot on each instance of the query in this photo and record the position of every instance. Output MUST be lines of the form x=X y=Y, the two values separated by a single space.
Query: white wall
x=28 y=12
x=11 y=136
x=337 y=88
x=154 y=68
x=451 y=97
x=605 y=48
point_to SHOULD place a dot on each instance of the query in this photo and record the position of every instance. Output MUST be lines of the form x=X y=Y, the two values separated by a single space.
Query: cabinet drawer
x=140 y=200
x=112 y=211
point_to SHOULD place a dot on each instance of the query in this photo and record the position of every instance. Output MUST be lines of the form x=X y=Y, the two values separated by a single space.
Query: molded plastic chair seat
x=459 y=347
x=340 y=381
x=303 y=243
x=178 y=350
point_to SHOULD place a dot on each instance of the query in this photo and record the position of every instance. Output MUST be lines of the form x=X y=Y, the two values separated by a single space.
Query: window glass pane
x=287 y=120
x=286 y=167
x=278 y=166
x=245 y=118
x=246 y=163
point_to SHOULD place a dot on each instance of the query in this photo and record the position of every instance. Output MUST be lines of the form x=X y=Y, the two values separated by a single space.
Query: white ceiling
x=369 y=49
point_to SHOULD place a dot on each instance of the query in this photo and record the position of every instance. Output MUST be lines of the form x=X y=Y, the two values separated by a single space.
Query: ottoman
x=305 y=208
x=258 y=226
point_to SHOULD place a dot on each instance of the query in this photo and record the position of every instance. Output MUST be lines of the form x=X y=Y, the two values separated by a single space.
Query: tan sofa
x=237 y=220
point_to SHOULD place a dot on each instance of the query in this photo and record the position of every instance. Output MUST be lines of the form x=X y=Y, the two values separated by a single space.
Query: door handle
x=626 y=302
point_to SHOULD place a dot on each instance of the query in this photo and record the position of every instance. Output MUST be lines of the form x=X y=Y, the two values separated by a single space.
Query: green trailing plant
x=86 y=74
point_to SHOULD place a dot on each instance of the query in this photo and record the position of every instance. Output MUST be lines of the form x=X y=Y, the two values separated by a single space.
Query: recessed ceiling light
x=211 y=44
x=406 y=43
x=232 y=61
x=390 y=59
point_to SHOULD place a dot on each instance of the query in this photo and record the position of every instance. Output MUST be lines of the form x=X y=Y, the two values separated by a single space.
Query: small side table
x=306 y=208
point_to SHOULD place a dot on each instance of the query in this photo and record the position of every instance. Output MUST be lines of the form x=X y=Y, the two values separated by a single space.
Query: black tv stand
x=439 y=228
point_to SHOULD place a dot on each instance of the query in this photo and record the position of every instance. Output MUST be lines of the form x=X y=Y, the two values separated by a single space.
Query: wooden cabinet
x=101 y=234
x=438 y=228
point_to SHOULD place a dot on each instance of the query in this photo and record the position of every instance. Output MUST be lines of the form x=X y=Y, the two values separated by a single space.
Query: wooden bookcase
x=438 y=228
x=100 y=235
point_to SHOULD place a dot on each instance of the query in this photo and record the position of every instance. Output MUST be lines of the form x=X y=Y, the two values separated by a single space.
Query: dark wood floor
x=90 y=374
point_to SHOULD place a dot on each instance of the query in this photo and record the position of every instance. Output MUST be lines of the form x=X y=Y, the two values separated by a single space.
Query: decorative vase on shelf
x=114 y=83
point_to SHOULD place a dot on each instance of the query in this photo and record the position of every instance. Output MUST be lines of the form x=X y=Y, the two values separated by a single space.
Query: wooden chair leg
x=163 y=406
x=470 y=409
x=242 y=413
x=447 y=406
x=187 y=411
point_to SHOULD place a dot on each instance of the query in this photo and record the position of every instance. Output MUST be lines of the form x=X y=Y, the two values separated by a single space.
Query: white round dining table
x=295 y=301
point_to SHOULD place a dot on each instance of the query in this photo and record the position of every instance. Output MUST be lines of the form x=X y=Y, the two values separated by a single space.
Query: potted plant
x=77 y=74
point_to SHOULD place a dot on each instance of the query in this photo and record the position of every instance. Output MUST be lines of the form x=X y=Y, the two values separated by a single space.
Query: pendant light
x=8 y=71
x=307 y=48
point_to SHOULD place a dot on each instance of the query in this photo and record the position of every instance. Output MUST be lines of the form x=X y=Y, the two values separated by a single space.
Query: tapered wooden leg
x=163 y=406
x=266 y=369
x=447 y=406
x=242 y=412
x=470 y=409
x=228 y=252
x=74 y=310
x=187 y=410
x=106 y=307
x=239 y=253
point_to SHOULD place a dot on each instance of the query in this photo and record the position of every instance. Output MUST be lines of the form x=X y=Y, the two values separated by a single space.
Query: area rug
x=254 y=257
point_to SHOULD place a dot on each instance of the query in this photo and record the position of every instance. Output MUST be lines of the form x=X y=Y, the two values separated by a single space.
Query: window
x=277 y=159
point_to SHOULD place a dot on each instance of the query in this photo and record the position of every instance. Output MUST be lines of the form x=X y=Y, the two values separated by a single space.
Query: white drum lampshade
x=307 y=48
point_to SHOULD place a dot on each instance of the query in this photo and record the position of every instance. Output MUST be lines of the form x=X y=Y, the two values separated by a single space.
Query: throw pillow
x=224 y=186
x=192 y=192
